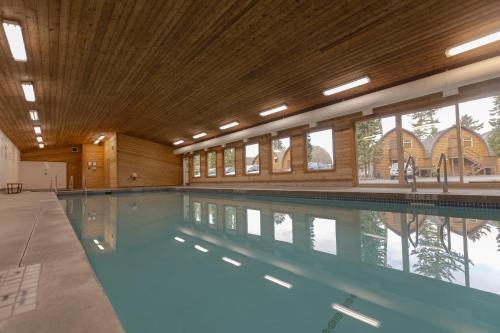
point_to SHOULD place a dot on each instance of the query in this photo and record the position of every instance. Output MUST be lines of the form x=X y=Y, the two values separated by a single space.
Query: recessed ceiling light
x=34 y=115
x=473 y=44
x=41 y=145
x=347 y=86
x=38 y=129
x=14 y=35
x=199 y=135
x=29 y=91
x=356 y=315
x=226 y=126
x=39 y=139
x=178 y=142
x=274 y=110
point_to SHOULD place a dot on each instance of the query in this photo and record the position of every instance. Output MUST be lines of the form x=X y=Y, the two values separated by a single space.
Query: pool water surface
x=188 y=262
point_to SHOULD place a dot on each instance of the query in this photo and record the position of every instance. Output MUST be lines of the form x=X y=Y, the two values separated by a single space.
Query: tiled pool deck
x=57 y=291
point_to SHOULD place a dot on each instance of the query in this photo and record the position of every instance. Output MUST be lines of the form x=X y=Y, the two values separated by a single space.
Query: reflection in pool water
x=191 y=262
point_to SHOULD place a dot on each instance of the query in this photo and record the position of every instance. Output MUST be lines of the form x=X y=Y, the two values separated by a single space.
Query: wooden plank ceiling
x=165 y=70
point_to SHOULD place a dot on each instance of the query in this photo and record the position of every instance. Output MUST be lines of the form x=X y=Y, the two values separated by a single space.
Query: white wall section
x=9 y=161
x=445 y=83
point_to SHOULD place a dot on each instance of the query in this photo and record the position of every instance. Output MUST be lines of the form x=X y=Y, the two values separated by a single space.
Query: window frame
x=334 y=158
x=199 y=157
x=245 y=159
x=224 y=162
x=289 y=137
x=206 y=163
x=469 y=139
x=410 y=141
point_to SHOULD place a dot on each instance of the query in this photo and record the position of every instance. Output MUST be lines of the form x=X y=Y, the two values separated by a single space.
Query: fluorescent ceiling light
x=473 y=44
x=226 y=126
x=29 y=91
x=356 y=315
x=178 y=142
x=347 y=86
x=41 y=145
x=274 y=110
x=14 y=35
x=200 y=248
x=96 y=142
x=96 y=241
x=34 y=115
x=199 y=135
x=180 y=240
x=278 y=281
x=39 y=139
x=100 y=247
x=38 y=129
x=100 y=138
x=231 y=261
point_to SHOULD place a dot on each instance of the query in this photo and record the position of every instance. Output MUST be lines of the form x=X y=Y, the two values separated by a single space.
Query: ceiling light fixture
x=14 y=34
x=356 y=315
x=37 y=129
x=100 y=138
x=199 y=135
x=473 y=44
x=274 y=110
x=178 y=142
x=41 y=145
x=232 y=124
x=347 y=86
x=34 y=115
x=39 y=139
x=29 y=91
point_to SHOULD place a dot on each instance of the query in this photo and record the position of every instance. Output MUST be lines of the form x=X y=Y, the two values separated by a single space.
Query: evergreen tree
x=471 y=123
x=494 y=137
x=424 y=124
x=374 y=237
x=367 y=140
x=229 y=157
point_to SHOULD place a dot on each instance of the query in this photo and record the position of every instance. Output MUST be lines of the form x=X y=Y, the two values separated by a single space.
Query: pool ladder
x=411 y=161
x=442 y=159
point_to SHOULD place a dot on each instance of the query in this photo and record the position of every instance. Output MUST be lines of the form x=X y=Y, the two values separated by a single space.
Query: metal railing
x=411 y=162
x=442 y=160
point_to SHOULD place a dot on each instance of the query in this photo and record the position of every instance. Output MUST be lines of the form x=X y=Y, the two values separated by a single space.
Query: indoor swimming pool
x=193 y=262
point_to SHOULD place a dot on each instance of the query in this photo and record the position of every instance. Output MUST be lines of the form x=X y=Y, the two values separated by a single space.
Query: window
x=252 y=162
x=196 y=166
x=197 y=212
x=212 y=214
x=283 y=227
x=320 y=150
x=323 y=235
x=281 y=161
x=212 y=164
x=253 y=222
x=229 y=162
x=468 y=141
x=230 y=217
x=406 y=143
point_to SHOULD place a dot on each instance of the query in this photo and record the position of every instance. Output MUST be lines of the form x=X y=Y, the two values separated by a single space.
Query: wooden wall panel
x=154 y=163
x=73 y=161
x=93 y=153
x=110 y=162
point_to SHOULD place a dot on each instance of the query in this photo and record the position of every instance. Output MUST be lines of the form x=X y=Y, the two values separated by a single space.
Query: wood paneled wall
x=154 y=163
x=110 y=162
x=73 y=161
x=342 y=175
x=93 y=153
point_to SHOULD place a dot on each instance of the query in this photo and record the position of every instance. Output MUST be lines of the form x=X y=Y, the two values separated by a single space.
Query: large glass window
x=229 y=161
x=319 y=148
x=283 y=227
x=253 y=222
x=377 y=150
x=480 y=131
x=252 y=160
x=197 y=212
x=323 y=235
x=196 y=166
x=431 y=132
x=212 y=164
x=281 y=160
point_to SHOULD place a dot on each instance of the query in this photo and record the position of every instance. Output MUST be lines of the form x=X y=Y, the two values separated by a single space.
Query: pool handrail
x=442 y=159
x=411 y=161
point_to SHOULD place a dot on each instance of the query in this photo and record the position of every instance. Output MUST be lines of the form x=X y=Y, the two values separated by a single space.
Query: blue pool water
x=187 y=262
